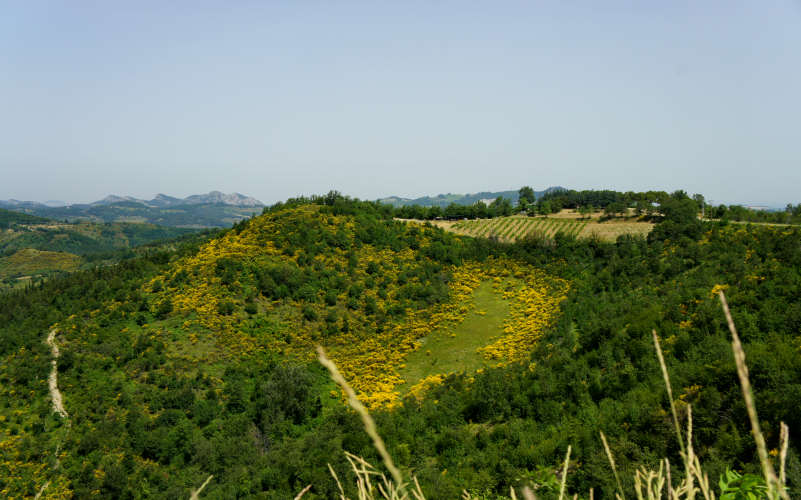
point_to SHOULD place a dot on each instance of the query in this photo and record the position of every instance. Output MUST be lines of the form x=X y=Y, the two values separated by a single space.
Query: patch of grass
x=610 y=230
x=446 y=351
x=191 y=347
x=31 y=262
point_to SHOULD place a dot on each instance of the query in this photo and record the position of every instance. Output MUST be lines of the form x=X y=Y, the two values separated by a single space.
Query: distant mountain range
x=163 y=200
x=214 y=209
x=443 y=200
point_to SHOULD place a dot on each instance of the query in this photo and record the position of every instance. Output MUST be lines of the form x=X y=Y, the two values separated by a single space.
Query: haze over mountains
x=163 y=200
x=160 y=200
x=214 y=209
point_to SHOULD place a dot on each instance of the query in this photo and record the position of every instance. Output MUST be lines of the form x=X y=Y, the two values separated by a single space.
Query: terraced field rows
x=515 y=227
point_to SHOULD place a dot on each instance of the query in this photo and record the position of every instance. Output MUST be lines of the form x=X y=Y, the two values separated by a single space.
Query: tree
x=501 y=206
x=641 y=207
x=680 y=219
x=544 y=207
x=526 y=194
x=332 y=197
x=454 y=211
x=680 y=211
x=679 y=194
x=699 y=199
x=480 y=210
x=613 y=209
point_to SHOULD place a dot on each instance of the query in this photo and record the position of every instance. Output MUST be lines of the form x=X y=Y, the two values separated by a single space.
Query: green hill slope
x=33 y=247
x=196 y=360
x=31 y=261
x=9 y=218
x=369 y=290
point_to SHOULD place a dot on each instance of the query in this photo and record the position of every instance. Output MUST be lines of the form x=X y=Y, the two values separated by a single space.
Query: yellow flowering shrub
x=367 y=322
x=533 y=306
x=22 y=474
x=419 y=389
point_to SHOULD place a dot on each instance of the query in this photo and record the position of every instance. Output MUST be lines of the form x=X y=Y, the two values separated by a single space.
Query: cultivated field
x=568 y=222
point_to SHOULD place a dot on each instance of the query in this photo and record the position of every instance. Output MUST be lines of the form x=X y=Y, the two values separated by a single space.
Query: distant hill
x=443 y=200
x=163 y=200
x=21 y=267
x=84 y=238
x=214 y=209
x=235 y=199
x=32 y=247
x=10 y=218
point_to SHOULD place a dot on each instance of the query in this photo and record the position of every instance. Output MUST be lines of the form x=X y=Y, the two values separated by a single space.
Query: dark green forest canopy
x=194 y=215
x=88 y=238
x=9 y=218
x=645 y=204
x=22 y=230
x=261 y=427
x=63 y=247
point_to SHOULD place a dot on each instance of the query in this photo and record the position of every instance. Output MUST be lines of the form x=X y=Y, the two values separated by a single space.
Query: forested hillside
x=85 y=238
x=198 y=360
x=34 y=247
x=9 y=218
x=194 y=215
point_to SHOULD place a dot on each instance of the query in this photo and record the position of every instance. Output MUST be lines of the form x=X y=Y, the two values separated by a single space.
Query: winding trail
x=52 y=380
x=58 y=402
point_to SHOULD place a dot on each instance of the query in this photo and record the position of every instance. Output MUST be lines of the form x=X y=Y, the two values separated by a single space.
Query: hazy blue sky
x=275 y=99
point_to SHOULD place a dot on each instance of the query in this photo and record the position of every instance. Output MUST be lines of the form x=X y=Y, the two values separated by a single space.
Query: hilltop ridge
x=443 y=200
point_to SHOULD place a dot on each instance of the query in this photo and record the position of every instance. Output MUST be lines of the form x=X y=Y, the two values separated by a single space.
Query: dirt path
x=52 y=380
x=58 y=402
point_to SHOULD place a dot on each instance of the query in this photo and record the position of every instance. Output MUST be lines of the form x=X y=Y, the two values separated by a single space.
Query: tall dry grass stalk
x=564 y=475
x=784 y=438
x=367 y=420
x=302 y=492
x=684 y=450
x=527 y=494
x=194 y=495
x=648 y=484
x=611 y=458
x=748 y=395
x=391 y=490
x=373 y=485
